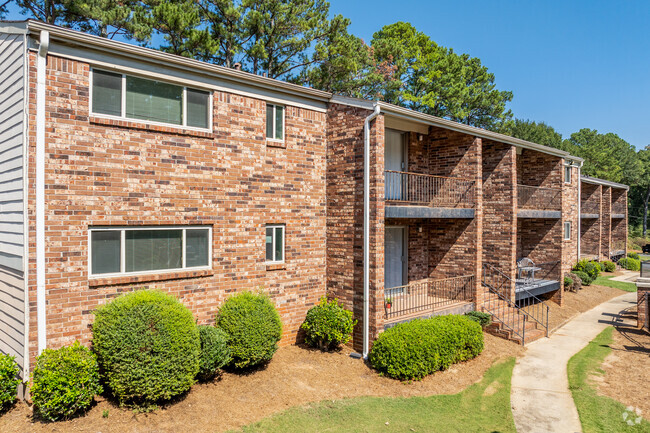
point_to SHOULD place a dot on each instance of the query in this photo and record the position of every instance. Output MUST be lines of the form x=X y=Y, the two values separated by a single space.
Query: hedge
x=629 y=264
x=9 y=380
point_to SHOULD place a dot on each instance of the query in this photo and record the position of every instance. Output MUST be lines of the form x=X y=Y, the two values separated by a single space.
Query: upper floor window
x=148 y=249
x=274 y=243
x=133 y=97
x=567 y=174
x=274 y=122
x=567 y=230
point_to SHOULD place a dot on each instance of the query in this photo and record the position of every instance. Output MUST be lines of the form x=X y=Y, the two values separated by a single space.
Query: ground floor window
x=147 y=249
x=274 y=243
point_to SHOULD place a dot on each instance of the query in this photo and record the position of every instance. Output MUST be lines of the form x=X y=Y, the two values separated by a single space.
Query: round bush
x=568 y=282
x=576 y=283
x=609 y=266
x=9 y=380
x=415 y=349
x=634 y=256
x=328 y=325
x=483 y=319
x=591 y=268
x=629 y=264
x=214 y=351
x=147 y=345
x=585 y=279
x=64 y=381
x=253 y=326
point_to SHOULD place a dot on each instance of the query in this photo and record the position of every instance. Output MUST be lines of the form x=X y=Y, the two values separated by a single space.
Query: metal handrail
x=536 y=308
x=538 y=198
x=590 y=206
x=429 y=190
x=503 y=309
x=427 y=295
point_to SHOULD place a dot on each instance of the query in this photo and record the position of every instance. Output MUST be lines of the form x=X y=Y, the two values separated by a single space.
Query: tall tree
x=536 y=132
x=642 y=188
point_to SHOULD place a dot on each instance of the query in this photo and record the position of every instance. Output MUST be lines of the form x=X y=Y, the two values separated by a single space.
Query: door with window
x=395 y=259
x=395 y=161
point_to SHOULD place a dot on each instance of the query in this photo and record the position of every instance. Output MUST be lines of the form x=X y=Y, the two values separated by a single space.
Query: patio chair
x=526 y=269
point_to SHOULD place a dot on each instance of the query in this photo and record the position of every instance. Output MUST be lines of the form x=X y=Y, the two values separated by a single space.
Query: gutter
x=366 y=229
x=40 y=188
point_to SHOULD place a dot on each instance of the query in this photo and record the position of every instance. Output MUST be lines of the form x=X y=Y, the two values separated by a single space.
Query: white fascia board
x=596 y=181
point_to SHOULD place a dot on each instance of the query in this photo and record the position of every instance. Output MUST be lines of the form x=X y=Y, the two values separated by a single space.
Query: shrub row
x=415 y=349
x=591 y=268
x=630 y=264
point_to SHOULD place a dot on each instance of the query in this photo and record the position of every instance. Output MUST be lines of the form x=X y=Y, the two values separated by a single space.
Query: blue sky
x=572 y=64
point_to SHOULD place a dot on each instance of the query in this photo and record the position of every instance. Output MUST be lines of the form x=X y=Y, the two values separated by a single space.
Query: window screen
x=274 y=243
x=274 y=122
x=154 y=100
x=105 y=247
x=197 y=108
x=107 y=93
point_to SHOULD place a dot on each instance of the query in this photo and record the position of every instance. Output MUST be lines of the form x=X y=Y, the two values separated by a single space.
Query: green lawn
x=644 y=257
x=605 y=281
x=483 y=407
x=597 y=413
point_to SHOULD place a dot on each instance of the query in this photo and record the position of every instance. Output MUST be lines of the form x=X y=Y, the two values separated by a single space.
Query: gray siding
x=12 y=230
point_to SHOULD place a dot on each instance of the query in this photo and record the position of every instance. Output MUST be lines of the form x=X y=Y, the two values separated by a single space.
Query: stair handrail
x=508 y=302
x=539 y=307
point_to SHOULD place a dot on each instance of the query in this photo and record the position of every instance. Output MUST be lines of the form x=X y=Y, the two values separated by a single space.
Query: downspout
x=40 y=188
x=366 y=229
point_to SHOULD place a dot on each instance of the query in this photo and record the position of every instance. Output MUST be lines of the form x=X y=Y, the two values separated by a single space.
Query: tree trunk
x=645 y=212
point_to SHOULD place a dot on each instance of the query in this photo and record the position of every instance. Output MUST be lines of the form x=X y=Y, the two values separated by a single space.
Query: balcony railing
x=618 y=208
x=618 y=248
x=428 y=295
x=428 y=190
x=539 y=198
x=590 y=206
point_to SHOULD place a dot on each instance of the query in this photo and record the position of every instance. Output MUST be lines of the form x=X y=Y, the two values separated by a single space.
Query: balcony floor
x=405 y=211
x=536 y=287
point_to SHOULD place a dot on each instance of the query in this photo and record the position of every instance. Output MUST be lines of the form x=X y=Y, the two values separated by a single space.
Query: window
x=275 y=243
x=274 y=122
x=143 y=99
x=567 y=230
x=567 y=174
x=148 y=249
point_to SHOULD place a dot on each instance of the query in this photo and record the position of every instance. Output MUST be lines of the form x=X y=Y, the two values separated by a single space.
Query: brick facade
x=101 y=173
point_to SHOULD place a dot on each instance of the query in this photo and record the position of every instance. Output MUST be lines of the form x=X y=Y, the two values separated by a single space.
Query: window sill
x=276 y=266
x=276 y=143
x=132 y=279
x=134 y=124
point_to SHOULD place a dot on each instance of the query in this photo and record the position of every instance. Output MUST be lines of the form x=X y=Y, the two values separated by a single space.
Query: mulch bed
x=295 y=376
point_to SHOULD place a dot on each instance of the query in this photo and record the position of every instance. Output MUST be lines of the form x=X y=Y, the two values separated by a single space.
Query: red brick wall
x=499 y=241
x=606 y=224
x=619 y=225
x=345 y=215
x=590 y=237
x=570 y=210
x=98 y=173
x=539 y=169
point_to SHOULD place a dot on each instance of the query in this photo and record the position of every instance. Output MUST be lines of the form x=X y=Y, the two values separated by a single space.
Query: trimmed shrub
x=609 y=266
x=483 y=319
x=328 y=325
x=568 y=282
x=633 y=255
x=147 y=346
x=9 y=380
x=65 y=381
x=415 y=349
x=214 y=351
x=577 y=282
x=585 y=279
x=591 y=268
x=253 y=326
x=629 y=264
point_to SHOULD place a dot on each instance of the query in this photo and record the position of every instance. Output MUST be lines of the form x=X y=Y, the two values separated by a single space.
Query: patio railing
x=590 y=206
x=538 y=198
x=428 y=190
x=544 y=271
x=618 y=208
x=428 y=295
x=618 y=248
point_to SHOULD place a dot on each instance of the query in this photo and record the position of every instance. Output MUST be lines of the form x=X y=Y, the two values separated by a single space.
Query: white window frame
x=568 y=169
x=284 y=243
x=567 y=231
x=284 y=115
x=151 y=122
x=123 y=231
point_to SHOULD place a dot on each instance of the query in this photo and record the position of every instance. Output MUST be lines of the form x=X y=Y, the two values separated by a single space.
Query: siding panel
x=12 y=230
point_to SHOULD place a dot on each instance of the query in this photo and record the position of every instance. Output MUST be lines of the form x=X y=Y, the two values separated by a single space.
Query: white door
x=394 y=161
x=394 y=257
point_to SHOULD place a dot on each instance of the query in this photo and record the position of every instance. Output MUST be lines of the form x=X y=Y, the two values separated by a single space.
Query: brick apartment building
x=123 y=167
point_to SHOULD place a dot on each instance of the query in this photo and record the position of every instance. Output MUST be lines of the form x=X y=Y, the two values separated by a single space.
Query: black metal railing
x=538 y=198
x=499 y=305
x=542 y=271
x=535 y=308
x=428 y=190
x=427 y=295
x=590 y=206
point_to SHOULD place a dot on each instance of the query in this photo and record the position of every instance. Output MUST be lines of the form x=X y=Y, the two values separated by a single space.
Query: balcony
x=590 y=209
x=618 y=249
x=425 y=298
x=618 y=210
x=539 y=202
x=414 y=195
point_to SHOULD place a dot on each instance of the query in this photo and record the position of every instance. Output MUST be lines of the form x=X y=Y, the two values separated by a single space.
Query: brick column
x=606 y=224
x=643 y=287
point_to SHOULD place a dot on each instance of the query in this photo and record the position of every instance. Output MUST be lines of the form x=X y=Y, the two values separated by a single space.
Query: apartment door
x=395 y=161
x=395 y=259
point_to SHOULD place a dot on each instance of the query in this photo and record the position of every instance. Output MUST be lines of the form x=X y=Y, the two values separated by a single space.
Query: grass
x=644 y=257
x=483 y=407
x=597 y=413
x=622 y=285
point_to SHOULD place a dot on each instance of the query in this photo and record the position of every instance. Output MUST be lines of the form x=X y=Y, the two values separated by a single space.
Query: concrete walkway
x=627 y=277
x=540 y=397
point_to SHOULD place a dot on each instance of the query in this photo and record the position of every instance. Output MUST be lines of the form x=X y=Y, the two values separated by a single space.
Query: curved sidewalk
x=540 y=397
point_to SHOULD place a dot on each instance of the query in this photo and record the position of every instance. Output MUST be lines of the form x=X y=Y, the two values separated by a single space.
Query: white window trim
x=284 y=243
x=150 y=122
x=567 y=233
x=123 y=231
x=284 y=114
x=570 y=168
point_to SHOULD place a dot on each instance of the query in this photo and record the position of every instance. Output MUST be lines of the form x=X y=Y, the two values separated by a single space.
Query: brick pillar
x=606 y=223
x=477 y=147
x=643 y=287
